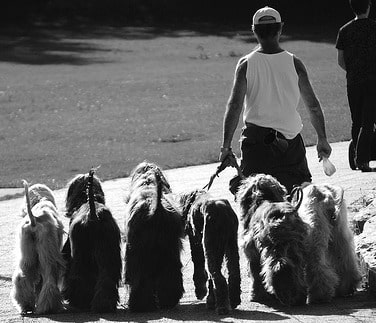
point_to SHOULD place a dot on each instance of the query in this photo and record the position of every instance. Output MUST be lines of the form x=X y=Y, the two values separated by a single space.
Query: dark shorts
x=267 y=151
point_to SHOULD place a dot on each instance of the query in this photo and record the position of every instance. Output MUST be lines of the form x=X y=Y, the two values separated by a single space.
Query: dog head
x=280 y=237
x=148 y=188
x=77 y=194
x=37 y=193
x=191 y=209
x=256 y=189
x=145 y=169
x=324 y=199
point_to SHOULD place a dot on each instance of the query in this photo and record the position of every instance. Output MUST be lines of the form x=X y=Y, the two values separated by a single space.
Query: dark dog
x=274 y=239
x=93 y=248
x=153 y=230
x=212 y=228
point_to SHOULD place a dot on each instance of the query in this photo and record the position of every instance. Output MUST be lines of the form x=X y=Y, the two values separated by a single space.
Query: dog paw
x=201 y=292
x=223 y=310
x=210 y=302
x=318 y=300
x=262 y=298
x=234 y=303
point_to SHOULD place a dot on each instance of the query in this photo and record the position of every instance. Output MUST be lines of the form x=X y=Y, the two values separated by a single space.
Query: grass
x=73 y=99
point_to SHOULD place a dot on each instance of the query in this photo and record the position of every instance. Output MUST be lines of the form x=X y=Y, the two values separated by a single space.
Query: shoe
x=365 y=168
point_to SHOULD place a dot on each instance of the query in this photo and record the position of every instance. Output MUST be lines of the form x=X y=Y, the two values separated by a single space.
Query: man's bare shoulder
x=299 y=66
x=241 y=67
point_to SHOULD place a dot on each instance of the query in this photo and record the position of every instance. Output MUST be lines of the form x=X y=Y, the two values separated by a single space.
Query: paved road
x=360 y=308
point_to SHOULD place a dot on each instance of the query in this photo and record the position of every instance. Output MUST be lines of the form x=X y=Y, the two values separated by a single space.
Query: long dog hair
x=93 y=248
x=153 y=233
x=39 y=262
x=332 y=267
x=212 y=228
x=273 y=240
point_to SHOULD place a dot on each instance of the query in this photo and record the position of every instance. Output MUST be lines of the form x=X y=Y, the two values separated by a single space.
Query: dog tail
x=90 y=195
x=296 y=197
x=28 y=203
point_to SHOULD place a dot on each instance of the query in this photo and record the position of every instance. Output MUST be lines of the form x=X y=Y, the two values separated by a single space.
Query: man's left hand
x=323 y=149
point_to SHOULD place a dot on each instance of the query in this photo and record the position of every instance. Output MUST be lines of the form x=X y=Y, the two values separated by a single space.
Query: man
x=356 y=45
x=269 y=81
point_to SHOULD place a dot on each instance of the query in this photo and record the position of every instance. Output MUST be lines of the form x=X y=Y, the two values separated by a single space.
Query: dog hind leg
x=26 y=276
x=214 y=256
x=142 y=297
x=52 y=265
x=106 y=296
x=200 y=276
x=170 y=285
x=232 y=257
x=257 y=290
x=22 y=293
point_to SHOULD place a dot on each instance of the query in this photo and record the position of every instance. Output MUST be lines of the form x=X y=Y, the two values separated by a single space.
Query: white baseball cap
x=266 y=15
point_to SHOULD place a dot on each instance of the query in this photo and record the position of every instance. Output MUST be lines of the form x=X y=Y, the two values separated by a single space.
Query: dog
x=332 y=268
x=212 y=228
x=153 y=238
x=39 y=261
x=273 y=240
x=93 y=249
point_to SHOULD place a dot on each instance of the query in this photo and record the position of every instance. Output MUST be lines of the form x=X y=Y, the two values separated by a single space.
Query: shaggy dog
x=212 y=228
x=153 y=233
x=332 y=268
x=39 y=262
x=93 y=249
x=273 y=240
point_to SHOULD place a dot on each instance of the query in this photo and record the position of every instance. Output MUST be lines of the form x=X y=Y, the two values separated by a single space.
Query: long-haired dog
x=93 y=253
x=332 y=268
x=39 y=261
x=153 y=233
x=212 y=228
x=273 y=240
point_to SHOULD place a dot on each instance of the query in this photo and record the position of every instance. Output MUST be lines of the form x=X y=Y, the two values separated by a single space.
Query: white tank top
x=273 y=93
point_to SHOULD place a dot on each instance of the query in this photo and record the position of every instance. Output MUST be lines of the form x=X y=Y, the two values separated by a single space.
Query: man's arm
x=314 y=108
x=341 y=59
x=234 y=107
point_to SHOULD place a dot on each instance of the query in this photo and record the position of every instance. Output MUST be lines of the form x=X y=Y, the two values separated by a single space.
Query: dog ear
x=337 y=194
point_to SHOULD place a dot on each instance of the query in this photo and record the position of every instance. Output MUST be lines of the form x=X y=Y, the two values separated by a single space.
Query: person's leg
x=365 y=137
x=256 y=156
x=354 y=98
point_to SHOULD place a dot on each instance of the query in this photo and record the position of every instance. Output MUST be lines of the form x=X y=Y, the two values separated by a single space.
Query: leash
x=230 y=160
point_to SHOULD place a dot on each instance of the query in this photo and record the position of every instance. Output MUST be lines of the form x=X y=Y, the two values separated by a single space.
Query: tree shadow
x=45 y=44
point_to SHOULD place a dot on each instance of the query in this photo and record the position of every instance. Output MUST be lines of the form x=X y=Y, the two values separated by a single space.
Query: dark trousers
x=266 y=151
x=362 y=102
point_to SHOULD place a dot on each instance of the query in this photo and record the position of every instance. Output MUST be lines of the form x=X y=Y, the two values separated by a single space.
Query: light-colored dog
x=332 y=268
x=39 y=262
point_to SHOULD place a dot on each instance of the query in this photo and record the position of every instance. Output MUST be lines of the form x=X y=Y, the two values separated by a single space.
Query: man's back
x=272 y=92
x=357 y=39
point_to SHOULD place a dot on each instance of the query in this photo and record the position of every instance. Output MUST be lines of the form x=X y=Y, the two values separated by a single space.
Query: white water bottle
x=329 y=168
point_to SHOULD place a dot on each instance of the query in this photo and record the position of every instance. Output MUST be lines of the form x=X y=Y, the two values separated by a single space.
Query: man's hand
x=225 y=152
x=323 y=149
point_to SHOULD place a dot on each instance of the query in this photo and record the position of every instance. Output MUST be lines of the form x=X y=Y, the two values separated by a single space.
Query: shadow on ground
x=183 y=312
x=251 y=311
x=61 y=44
